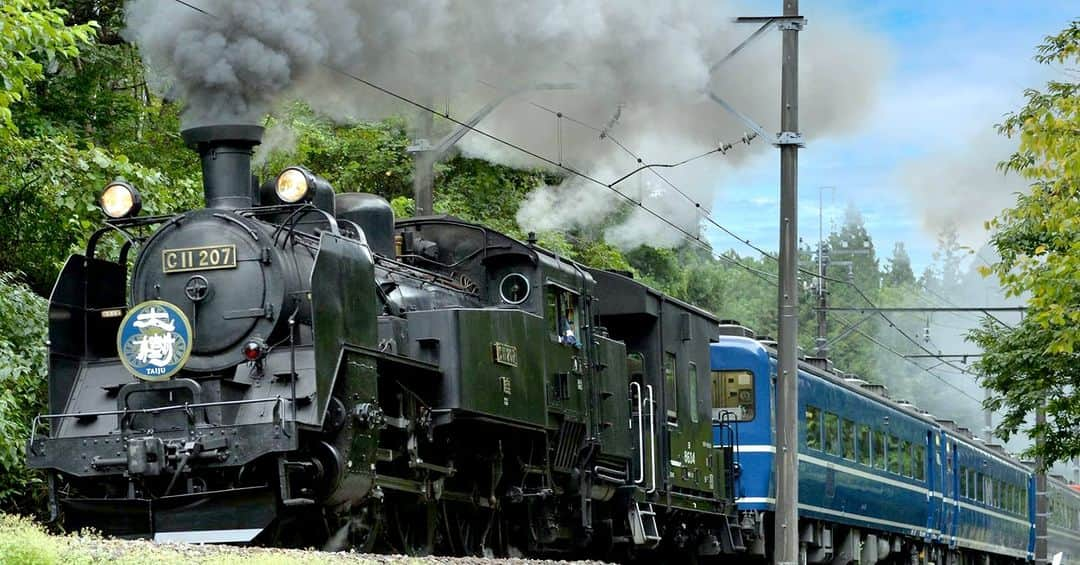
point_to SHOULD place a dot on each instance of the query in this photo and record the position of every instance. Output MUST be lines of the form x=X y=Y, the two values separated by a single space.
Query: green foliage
x=32 y=34
x=368 y=157
x=22 y=389
x=899 y=273
x=50 y=186
x=1038 y=241
x=22 y=541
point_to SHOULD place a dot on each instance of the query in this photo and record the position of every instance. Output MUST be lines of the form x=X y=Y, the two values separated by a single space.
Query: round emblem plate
x=154 y=341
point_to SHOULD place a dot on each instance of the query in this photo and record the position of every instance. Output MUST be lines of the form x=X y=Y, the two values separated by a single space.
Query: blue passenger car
x=878 y=480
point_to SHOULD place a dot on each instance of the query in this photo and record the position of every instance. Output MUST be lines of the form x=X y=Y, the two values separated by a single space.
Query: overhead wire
x=605 y=133
x=930 y=372
x=610 y=186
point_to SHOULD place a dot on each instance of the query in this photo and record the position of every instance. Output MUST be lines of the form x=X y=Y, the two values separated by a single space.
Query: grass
x=24 y=542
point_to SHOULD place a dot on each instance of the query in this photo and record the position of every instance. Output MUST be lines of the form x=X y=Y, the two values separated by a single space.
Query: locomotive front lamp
x=294 y=184
x=254 y=350
x=120 y=200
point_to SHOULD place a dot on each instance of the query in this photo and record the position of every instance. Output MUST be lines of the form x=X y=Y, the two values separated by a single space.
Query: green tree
x=22 y=390
x=899 y=273
x=1038 y=240
x=32 y=35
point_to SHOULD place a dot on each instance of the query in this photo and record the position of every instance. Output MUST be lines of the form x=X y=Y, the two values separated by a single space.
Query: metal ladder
x=643 y=528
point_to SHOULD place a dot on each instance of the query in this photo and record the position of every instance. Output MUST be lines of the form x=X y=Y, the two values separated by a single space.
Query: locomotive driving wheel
x=415 y=527
x=359 y=532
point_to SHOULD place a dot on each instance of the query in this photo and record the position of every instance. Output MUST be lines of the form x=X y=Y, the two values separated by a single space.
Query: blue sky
x=926 y=153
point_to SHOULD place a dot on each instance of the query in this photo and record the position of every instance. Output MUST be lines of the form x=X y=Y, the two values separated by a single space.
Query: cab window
x=563 y=320
x=733 y=392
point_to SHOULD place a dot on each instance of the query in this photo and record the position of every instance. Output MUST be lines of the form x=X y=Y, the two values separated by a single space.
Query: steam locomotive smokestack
x=226 y=162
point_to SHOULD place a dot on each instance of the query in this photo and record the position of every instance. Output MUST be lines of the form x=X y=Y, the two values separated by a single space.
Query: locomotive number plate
x=198 y=258
x=504 y=354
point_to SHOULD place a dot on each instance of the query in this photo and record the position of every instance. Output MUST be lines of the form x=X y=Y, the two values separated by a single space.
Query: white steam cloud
x=962 y=186
x=640 y=72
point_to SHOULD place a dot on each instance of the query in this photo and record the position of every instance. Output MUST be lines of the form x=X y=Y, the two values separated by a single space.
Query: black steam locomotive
x=291 y=366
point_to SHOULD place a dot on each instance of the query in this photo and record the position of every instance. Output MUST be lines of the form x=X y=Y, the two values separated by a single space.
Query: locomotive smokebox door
x=227 y=277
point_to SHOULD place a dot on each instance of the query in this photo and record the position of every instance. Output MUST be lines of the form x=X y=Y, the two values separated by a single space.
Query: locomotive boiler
x=290 y=365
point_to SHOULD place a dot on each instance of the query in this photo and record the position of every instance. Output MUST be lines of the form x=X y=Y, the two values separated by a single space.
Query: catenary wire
x=890 y=349
x=610 y=186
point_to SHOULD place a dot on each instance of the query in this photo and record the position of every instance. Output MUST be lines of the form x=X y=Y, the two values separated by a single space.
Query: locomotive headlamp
x=254 y=349
x=120 y=200
x=294 y=184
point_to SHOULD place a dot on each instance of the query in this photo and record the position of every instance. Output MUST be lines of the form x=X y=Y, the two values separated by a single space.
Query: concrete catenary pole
x=1041 y=506
x=786 y=535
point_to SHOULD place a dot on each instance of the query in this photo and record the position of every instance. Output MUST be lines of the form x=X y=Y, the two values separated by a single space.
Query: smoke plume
x=631 y=80
x=962 y=186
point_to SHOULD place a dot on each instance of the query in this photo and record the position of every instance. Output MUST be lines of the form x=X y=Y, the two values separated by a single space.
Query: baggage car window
x=880 y=450
x=692 y=377
x=813 y=427
x=671 y=387
x=864 y=444
x=733 y=391
x=832 y=433
x=847 y=432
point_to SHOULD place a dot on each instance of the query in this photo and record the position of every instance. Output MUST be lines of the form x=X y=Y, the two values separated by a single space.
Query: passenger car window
x=832 y=433
x=880 y=450
x=919 y=456
x=813 y=427
x=864 y=444
x=847 y=432
x=964 y=483
x=905 y=456
x=979 y=487
x=895 y=458
x=733 y=391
